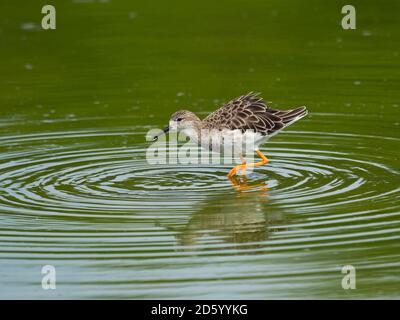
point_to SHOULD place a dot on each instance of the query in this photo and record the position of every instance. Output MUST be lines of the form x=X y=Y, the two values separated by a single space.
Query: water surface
x=76 y=191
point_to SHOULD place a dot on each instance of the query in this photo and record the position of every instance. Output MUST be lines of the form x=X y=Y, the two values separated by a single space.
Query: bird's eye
x=179 y=119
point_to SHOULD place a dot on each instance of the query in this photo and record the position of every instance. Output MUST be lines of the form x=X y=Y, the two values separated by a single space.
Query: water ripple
x=74 y=196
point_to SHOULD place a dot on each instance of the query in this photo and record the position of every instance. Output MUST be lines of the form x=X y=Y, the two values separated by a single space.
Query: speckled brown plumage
x=250 y=112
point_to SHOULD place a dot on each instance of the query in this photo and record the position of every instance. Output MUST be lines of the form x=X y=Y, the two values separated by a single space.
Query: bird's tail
x=290 y=116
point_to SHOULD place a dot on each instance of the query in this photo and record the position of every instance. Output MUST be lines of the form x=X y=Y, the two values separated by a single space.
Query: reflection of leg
x=235 y=169
x=240 y=184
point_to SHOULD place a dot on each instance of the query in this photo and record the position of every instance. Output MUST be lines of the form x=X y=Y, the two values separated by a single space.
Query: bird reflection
x=244 y=219
x=241 y=184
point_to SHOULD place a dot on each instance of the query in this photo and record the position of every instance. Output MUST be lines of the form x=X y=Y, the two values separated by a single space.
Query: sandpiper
x=246 y=118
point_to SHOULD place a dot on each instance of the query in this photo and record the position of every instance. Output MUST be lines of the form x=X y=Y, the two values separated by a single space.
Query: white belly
x=228 y=141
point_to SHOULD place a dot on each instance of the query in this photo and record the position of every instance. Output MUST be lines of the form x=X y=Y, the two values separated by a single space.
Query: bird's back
x=250 y=112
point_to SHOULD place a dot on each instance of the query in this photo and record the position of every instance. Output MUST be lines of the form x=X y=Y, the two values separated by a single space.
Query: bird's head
x=180 y=120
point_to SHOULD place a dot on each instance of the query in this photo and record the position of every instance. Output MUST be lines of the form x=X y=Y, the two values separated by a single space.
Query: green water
x=76 y=191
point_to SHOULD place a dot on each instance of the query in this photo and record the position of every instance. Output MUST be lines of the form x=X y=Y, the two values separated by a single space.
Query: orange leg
x=243 y=167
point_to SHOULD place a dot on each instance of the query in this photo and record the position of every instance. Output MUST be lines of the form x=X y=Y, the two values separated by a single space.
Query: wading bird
x=242 y=121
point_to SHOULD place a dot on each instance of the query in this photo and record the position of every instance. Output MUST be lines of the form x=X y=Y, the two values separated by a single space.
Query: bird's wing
x=250 y=112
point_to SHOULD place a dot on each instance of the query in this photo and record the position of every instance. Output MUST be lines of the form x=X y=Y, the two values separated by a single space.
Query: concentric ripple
x=74 y=197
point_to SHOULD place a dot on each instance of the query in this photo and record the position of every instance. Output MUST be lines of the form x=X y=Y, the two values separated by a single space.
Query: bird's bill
x=165 y=130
